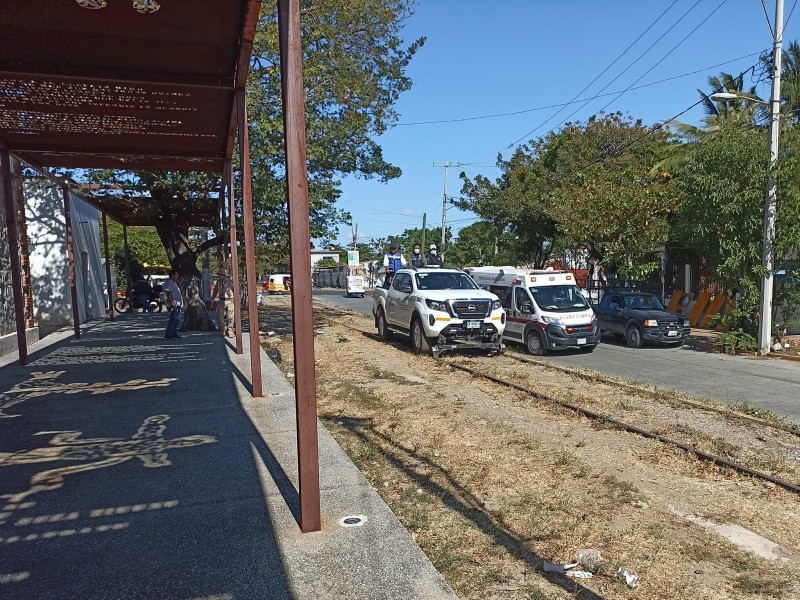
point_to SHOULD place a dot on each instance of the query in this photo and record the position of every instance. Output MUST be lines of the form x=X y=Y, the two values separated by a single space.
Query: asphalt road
x=773 y=384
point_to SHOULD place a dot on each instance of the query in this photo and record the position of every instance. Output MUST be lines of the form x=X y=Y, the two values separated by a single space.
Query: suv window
x=400 y=279
x=445 y=281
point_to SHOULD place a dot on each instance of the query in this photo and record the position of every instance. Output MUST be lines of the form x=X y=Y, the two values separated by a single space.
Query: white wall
x=44 y=208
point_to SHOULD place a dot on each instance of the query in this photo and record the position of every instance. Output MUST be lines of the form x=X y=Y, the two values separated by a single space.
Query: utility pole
x=446 y=165
x=424 y=217
x=765 y=323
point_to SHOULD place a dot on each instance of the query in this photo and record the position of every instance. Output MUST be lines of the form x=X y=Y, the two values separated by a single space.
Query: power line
x=528 y=110
x=551 y=117
x=688 y=35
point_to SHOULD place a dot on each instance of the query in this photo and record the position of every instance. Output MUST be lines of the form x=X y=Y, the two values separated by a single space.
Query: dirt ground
x=492 y=483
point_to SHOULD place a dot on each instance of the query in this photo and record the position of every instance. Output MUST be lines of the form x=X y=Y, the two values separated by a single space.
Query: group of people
x=394 y=260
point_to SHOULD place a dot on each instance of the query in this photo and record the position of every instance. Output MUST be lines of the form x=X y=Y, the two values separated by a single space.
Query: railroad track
x=690 y=450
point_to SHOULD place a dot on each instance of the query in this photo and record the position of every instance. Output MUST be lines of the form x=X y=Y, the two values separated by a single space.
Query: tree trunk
x=172 y=224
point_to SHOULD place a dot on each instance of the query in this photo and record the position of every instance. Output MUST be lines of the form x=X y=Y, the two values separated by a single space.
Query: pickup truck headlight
x=496 y=305
x=650 y=323
x=436 y=305
x=551 y=320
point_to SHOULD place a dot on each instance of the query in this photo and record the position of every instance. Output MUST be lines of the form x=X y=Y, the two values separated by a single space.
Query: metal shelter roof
x=123 y=87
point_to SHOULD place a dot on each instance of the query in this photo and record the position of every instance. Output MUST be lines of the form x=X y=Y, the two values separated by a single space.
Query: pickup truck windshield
x=642 y=302
x=559 y=298
x=445 y=281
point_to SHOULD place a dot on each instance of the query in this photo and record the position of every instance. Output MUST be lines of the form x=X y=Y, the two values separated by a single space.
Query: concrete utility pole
x=765 y=323
x=446 y=165
x=424 y=217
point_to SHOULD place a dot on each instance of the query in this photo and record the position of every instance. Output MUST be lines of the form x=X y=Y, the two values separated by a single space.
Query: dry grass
x=491 y=483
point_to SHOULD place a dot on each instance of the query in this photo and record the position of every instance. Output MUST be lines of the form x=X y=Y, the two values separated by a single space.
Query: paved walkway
x=133 y=467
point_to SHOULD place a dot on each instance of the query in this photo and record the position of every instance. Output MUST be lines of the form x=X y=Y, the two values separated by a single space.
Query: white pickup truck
x=439 y=309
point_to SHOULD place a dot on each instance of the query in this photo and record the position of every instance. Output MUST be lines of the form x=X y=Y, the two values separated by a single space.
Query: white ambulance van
x=545 y=309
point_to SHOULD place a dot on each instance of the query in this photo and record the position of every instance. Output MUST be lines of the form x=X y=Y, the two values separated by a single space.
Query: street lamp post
x=768 y=256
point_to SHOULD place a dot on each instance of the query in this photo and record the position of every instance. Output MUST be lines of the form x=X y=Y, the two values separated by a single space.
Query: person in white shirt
x=174 y=301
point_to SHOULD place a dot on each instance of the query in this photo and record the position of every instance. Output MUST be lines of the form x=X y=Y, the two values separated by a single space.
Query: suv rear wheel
x=383 y=327
x=419 y=341
x=534 y=343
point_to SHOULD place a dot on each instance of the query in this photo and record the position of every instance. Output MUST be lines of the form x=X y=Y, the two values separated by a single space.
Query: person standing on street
x=174 y=301
x=416 y=257
x=433 y=259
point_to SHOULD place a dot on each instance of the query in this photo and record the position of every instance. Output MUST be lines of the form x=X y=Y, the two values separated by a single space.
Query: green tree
x=355 y=62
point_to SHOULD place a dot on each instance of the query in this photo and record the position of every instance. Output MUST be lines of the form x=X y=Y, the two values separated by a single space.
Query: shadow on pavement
x=128 y=469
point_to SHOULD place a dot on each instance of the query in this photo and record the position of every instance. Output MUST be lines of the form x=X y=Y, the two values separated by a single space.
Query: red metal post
x=237 y=297
x=108 y=270
x=249 y=244
x=13 y=252
x=71 y=259
x=291 y=56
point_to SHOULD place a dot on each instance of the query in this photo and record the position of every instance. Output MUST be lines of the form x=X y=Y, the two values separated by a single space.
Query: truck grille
x=471 y=309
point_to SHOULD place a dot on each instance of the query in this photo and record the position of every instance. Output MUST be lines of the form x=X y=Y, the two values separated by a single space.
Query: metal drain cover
x=353 y=521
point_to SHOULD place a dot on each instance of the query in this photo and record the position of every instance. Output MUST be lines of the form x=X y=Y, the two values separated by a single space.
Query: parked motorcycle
x=129 y=302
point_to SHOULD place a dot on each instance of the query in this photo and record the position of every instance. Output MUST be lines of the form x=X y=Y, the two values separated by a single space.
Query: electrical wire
x=688 y=35
x=551 y=117
x=528 y=110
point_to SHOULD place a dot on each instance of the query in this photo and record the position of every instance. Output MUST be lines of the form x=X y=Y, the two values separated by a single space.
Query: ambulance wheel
x=418 y=339
x=383 y=328
x=535 y=344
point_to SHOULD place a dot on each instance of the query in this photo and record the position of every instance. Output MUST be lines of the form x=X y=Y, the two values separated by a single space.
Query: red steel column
x=249 y=244
x=237 y=297
x=13 y=252
x=71 y=258
x=291 y=55
x=108 y=270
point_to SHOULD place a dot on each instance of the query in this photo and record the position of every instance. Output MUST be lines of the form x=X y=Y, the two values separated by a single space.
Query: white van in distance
x=546 y=309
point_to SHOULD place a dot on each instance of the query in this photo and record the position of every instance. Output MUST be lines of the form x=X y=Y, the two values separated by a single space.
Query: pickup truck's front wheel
x=633 y=337
x=419 y=341
x=383 y=328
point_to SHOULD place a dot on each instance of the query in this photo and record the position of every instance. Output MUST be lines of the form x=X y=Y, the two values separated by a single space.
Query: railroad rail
x=700 y=454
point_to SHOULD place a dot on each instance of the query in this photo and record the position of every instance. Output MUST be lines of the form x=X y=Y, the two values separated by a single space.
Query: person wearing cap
x=433 y=259
x=416 y=257
x=224 y=298
x=393 y=260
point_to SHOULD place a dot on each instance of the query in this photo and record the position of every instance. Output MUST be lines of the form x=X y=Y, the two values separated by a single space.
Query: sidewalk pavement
x=137 y=467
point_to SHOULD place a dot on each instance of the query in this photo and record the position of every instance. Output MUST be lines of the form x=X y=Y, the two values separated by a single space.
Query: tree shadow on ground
x=129 y=469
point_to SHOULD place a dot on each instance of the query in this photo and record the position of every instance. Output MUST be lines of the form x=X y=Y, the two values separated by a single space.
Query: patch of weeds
x=754 y=411
x=627 y=405
x=340 y=339
x=689 y=431
x=656 y=530
x=362 y=396
x=766 y=587
x=376 y=373
x=445 y=560
x=740 y=565
x=533 y=592
x=621 y=490
x=725 y=448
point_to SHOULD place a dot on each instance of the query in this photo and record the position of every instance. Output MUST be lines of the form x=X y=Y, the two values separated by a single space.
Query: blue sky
x=484 y=58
